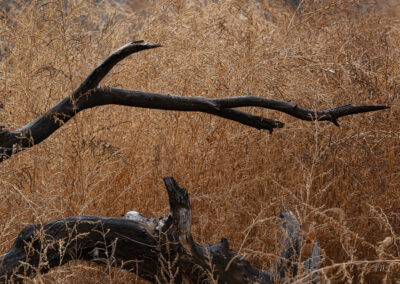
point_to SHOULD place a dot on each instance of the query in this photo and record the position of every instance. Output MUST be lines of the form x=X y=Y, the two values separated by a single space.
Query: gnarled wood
x=88 y=95
x=147 y=247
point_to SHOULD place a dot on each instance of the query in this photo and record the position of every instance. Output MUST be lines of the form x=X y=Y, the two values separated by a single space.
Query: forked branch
x=89 y=95
x=147 y=246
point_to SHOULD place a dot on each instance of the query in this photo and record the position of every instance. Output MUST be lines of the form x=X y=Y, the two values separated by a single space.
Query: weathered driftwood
x=89 y=95
x=156 y=249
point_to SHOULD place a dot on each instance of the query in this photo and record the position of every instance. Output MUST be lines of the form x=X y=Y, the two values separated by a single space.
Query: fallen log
x=156 y=249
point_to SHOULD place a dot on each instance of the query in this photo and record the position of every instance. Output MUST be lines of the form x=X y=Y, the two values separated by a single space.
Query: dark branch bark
x=331 y=114
x=88 y=95
x=147 y=247
x=33 y=133
x=14 y=141
x=102 y=70
x=219 y=106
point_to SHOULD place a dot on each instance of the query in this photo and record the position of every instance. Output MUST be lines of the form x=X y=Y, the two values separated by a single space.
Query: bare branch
x=142 y=245
x=88 y=95
x=102 y=70
x=221 y=106
x=14 y=141
x=331 y=115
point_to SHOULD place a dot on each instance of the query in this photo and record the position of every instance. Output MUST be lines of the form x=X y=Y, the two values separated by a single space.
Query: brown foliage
x=342 y=183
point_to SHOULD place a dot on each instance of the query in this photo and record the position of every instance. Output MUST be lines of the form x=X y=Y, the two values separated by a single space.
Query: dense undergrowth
x=341 y=183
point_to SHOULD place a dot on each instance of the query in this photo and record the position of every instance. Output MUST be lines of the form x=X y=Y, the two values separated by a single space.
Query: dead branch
x=88 y=95
x=146 y=246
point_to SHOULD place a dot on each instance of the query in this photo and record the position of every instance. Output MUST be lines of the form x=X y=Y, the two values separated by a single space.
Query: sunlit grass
x=341 y=183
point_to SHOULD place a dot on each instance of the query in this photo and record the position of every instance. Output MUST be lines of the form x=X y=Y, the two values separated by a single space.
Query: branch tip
x=279 y=124
x=178 y=196
x=145 y=43
x=335 y=122
x=225 y=243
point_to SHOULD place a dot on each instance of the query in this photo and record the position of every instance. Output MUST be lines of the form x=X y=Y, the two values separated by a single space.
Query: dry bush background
x=342 y=183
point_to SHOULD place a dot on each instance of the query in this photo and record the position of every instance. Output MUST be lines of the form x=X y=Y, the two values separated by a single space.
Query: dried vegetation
x=342 y=183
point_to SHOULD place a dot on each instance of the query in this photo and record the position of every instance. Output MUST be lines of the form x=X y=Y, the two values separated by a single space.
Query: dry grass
x=342 y=183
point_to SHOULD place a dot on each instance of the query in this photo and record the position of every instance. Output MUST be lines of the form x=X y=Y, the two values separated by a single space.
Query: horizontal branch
x=33 y=133
x=156 y=249
x=332 y=114
x=88 y=95
x=219 y=106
